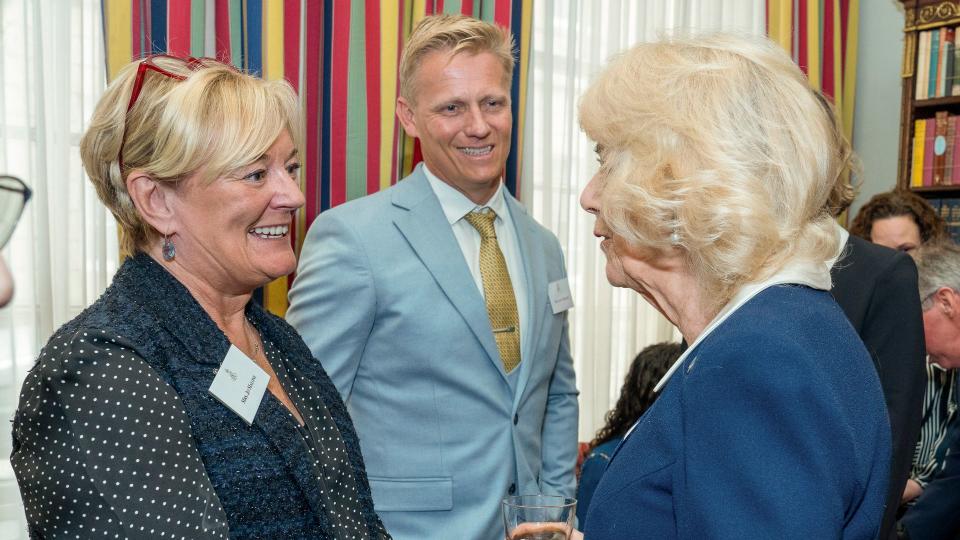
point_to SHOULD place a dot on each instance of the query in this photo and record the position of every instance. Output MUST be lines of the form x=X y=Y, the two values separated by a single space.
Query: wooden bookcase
x=921 y=15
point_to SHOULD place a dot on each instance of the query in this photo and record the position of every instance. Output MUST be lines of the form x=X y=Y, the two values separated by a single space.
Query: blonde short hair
x=217 y=120
x=456 y=33
x=715 y=145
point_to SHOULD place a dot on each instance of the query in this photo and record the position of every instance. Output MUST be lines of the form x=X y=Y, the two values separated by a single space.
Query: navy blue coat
x=774 y=427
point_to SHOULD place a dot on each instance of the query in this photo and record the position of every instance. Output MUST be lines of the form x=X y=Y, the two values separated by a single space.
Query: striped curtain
x=341 y=56
x=822 y=37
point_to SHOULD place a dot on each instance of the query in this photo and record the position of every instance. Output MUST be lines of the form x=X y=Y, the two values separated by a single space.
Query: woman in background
x=122 y=431
x=899 y=220
x=636 y=396
x=717 y=162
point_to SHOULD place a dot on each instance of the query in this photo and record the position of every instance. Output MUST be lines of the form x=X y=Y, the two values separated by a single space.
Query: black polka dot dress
x=117 y=436
x=103 y=448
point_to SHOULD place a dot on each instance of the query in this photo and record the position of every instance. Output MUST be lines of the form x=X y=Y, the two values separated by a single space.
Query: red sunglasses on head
x=193 y=64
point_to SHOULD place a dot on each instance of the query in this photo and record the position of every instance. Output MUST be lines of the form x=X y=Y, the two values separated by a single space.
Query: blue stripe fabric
x=325 y=106
x=158 y=26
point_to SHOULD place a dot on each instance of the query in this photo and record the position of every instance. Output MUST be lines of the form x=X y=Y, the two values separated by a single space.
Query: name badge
x=560 y=297
x=240 y=384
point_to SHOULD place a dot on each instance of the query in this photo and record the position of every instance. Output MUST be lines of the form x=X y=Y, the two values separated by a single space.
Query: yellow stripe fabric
x=850 y=71
x=275 y=292
x=780 y=22
x=813 y=43
x=524 y=37
x=118 y=14
x=272 y=39
x=389 y=25
x=837 y=53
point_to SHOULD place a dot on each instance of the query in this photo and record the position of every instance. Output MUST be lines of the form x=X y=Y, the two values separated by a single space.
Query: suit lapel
x=425 y=227
x=536 y=275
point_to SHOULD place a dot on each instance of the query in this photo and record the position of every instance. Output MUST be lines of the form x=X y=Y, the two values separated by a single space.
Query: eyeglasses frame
x=147 y=63
x=25 y=191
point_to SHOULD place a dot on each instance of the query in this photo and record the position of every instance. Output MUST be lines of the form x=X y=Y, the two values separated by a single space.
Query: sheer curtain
x=572 y=39
x=64 y=251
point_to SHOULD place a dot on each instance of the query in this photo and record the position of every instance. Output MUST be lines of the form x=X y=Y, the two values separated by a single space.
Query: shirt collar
x=842 y=237
x=455 y=205
x=814 y=275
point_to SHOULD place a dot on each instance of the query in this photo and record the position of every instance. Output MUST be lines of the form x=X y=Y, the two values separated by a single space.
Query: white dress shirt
x=455 y=206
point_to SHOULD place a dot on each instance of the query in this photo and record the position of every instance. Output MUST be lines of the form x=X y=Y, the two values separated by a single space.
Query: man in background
x=438 y=306
x=877 y=289
x=935 y=485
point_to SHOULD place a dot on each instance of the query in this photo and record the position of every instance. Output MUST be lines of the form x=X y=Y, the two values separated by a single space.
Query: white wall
x=876 y=124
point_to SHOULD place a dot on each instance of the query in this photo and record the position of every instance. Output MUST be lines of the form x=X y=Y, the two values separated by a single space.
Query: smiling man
x=438 y=306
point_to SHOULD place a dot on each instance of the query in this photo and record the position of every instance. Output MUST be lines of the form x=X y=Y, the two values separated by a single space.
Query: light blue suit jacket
x=386 y=302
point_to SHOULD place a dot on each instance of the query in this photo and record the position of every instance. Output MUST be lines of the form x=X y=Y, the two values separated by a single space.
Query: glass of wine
x=538 y=517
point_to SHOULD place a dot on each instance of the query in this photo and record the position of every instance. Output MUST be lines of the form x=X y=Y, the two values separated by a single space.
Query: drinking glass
x=538 y=517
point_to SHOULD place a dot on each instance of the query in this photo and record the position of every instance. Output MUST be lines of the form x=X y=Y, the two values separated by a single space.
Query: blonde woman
x=711 y=202
x=174 y=407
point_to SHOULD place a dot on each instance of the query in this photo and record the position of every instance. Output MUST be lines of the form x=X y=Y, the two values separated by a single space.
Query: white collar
x=816 y=276
x=842 y=237
x=455 y=204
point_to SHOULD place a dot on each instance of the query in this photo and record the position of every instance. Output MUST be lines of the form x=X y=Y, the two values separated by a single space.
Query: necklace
x=256 y=342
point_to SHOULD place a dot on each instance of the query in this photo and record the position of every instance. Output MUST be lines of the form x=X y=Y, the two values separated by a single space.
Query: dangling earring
x=169 y=250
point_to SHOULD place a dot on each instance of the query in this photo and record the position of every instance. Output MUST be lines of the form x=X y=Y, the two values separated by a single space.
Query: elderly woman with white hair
x=717 y=163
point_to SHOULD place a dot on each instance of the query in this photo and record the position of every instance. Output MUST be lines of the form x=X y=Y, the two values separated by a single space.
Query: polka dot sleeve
x=103 y=449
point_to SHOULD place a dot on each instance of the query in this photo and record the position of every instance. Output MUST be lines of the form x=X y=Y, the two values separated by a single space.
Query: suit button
x=516 y=418
x=513 y=489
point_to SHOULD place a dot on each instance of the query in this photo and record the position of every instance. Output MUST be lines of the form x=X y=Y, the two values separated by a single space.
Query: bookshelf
x=929 y=161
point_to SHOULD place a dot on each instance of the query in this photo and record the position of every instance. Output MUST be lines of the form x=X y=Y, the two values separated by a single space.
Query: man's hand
x=911 y=491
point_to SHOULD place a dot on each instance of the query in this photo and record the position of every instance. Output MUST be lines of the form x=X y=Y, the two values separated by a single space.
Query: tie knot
x=483 y=223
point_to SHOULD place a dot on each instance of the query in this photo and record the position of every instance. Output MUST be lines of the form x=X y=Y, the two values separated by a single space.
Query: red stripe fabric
x=178 y=27
x=372 y=27
x=501 y=14
x=827 y=81
x=466 y=7
x=844 y=16
x=146 y=20
x=338 y=102
x=802 y=54
x=314 y=67
x=222 y=30
x=135 y=30
x=397 y=130
x=291 y=43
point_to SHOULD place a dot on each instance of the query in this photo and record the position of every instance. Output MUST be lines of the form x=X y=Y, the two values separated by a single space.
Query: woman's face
x=626 y=266
x=898 y=232
x=234 y=232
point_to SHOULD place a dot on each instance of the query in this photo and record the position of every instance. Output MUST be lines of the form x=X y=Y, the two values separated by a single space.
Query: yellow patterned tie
x=498 y=290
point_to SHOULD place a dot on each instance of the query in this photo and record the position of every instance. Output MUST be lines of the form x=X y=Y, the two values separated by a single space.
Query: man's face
x=461 y=114
x=941 y=330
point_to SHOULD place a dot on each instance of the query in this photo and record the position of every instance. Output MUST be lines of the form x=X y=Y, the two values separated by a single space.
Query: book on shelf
x=929 y=135
x=950 y=211
x=932 y=64
x=939 y=148
x=955 y=86
x=948 y=167
x=946 y=62
x=923 y=63
x=916 y=170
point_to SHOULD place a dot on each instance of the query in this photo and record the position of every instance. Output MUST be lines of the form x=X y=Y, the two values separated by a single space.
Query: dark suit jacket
x=877 y=289
x=936 y=514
